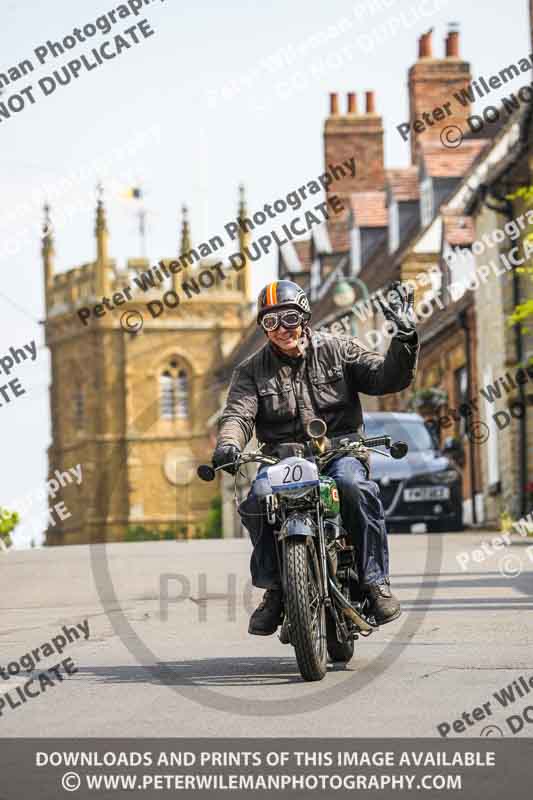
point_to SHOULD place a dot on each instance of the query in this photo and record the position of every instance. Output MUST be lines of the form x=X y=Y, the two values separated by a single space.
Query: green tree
x=213 y=526
x=8 y=522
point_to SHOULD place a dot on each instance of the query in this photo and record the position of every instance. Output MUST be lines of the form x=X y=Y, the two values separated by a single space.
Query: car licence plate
x=421 y=493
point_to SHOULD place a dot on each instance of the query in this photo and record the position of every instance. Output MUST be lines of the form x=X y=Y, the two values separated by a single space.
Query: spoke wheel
x=306 y=612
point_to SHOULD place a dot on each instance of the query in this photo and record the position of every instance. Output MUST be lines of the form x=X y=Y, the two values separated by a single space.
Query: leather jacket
x=279 y=394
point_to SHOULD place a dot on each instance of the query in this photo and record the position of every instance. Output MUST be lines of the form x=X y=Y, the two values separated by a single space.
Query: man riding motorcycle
x=296 y=376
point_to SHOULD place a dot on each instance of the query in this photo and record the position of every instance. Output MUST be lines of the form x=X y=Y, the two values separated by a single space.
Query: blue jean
x=362 y=515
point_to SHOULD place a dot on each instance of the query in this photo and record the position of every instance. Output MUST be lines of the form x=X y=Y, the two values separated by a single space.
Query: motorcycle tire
x=302 y=582
x=339 y=652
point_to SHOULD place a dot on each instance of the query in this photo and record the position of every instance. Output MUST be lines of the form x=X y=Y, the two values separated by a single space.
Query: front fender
x=298 y=525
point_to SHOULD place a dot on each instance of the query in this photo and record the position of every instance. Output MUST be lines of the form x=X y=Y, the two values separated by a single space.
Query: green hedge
x=138 y=533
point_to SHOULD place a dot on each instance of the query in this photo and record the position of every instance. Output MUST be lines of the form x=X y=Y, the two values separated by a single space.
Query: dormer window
x=394 y=226
x=355 y=236
x=426 y=202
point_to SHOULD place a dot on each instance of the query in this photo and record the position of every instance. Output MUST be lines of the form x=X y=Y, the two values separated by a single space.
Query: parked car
x=425 y=486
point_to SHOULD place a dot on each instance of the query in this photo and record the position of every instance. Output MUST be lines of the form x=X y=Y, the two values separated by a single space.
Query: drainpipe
x=463 y=322
x=506 y=209
x=522 y=422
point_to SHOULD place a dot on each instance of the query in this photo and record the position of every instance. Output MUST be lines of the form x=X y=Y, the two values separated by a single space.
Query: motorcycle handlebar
x=377 y=441
x=206 y=472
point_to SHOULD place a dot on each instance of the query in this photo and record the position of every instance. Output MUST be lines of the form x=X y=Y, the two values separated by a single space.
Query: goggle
x=288 y=319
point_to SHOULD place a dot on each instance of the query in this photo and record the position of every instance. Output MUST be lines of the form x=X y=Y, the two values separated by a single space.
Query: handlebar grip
x=377 y=441
x=206 y=472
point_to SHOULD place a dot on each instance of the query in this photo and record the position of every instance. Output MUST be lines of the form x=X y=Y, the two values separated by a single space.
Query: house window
x=493 y=459
x=394 y=226
x=355 y=236
x=463 y=267
x=174 y=392
x=461 y=398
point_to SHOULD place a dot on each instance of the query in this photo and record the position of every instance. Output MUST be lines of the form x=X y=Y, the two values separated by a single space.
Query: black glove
x=399 y=309
x=226 y=454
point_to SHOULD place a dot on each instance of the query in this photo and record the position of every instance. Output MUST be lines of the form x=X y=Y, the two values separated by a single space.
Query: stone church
x=132 y=407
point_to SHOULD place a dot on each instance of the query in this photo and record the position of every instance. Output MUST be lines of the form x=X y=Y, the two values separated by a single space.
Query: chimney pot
x=333 y=103
x=352 y=103
x=370 y=103
x=424 y=45
x=452 y=44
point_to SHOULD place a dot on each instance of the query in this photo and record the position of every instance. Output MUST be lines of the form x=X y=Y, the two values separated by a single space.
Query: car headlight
x=444 y=476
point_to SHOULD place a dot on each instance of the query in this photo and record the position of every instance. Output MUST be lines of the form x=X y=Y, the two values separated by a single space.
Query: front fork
x=325 y=598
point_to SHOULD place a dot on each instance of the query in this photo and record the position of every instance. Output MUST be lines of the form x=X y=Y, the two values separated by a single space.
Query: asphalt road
x=188 y=667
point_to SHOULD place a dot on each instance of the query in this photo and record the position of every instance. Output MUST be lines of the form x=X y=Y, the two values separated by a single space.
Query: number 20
x=288 y=477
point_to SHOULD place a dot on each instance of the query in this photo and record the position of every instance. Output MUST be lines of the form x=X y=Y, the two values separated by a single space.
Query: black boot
x=268 y=614
x=383 y=605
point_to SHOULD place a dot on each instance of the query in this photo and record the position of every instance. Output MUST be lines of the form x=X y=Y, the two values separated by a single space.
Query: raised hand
x=399 y=307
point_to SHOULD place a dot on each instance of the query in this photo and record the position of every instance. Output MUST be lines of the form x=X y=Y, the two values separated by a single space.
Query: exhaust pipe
x=349 y=611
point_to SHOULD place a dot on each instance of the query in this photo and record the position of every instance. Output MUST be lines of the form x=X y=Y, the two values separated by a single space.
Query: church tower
x=131 y=391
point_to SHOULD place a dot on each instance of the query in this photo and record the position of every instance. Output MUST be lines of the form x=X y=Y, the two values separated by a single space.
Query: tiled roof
x=369 y=209
x=459 y=230
x=443 y=162
x=403 y=183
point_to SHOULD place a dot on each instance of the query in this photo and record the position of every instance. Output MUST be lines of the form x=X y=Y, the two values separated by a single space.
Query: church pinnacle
x=48 y=253
x=102 y=236
x=186 y=244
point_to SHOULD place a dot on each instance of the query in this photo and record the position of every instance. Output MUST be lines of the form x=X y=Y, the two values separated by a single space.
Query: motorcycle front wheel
x=307 y=615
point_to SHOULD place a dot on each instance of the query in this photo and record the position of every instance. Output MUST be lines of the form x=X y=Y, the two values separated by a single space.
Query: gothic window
x=166 y=395
x=182 y=395
x=174 y=392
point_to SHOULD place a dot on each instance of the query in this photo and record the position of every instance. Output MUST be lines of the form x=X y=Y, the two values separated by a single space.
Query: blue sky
x=228 y=108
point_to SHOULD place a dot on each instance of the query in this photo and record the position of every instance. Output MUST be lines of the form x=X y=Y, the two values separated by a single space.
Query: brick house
x=402 y=224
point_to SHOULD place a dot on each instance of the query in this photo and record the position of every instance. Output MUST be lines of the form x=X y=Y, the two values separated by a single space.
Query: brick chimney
x=355 y=134
x=432 y=82
x=359 y=135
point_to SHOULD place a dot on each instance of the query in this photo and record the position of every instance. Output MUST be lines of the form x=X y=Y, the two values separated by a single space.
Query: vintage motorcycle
x=324 y=610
